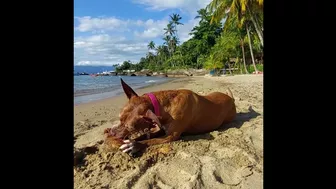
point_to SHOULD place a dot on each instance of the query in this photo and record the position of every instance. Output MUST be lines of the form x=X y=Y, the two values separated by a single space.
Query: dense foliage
x=238 y=42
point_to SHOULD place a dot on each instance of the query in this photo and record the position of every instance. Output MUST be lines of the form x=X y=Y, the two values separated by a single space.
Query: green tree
x=151 y=56
x=167 y=39
x=169 y=30
x=175 y=20
x=162 y=53
x=235 y=12
x=210 y=45
x=203 y=38
x=250 y=45
x=243 y=9
x=212 y=63
x=203 y=15
x=151 y=45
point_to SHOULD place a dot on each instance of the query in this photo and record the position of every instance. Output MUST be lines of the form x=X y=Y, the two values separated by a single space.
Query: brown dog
x=172 y=111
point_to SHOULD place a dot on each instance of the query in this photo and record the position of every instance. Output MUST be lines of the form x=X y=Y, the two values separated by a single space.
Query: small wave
x=150 y=81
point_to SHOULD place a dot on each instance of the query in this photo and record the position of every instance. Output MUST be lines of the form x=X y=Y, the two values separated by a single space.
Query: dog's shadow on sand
x=241 y=118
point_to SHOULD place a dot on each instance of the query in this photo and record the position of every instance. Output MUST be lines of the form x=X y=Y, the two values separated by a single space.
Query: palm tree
x=167 y=39
x=151 y=45
x=234 y=10
x=162 y=52
x=159 y=50
x=170 y=29
x=251 y=49
x=229 y=8
x=175 y=18
x=256 y=11
x=174 y=42
x=150 y=56
x=202 y=14
x=159 y=53
x=241 y=41
x=241 y=34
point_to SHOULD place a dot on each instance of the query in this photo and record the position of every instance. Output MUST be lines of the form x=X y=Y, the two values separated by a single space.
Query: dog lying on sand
x=162 y=116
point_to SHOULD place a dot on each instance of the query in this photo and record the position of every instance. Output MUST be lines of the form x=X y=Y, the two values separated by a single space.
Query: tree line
x=228 y=29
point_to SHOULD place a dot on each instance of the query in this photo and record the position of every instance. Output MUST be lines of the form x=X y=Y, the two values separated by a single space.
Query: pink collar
x=155 y=103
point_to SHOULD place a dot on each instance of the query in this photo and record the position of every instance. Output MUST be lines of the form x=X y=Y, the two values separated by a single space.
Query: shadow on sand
x=237 y=123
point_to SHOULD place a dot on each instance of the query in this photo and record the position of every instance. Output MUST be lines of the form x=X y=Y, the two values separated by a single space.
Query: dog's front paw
x=131 y=146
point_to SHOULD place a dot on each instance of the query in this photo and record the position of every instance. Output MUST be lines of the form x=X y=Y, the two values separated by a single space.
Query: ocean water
x=88 y=88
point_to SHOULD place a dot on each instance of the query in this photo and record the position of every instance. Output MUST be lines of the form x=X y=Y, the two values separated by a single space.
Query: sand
x=230 y=157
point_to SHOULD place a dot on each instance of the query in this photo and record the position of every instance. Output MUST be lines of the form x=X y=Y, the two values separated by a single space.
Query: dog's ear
x=128 y=90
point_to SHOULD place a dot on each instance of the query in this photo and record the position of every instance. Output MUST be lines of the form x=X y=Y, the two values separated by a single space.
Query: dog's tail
x=230 y=94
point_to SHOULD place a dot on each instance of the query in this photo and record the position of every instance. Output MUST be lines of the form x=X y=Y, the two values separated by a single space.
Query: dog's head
x=137 y=120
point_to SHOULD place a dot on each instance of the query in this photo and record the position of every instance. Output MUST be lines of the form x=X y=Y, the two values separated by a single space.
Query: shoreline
x=110 y=94
x=118 y=94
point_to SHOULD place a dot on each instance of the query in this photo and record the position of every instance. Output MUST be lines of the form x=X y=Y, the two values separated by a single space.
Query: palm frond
x=219 y=14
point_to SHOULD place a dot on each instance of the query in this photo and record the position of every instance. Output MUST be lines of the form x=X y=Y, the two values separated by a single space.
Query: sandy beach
x=230 y=157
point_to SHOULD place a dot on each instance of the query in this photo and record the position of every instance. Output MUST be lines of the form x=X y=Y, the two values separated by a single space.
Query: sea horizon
x=88 y=88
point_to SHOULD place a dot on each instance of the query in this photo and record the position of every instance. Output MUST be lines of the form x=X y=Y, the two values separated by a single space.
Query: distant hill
x=92 y=69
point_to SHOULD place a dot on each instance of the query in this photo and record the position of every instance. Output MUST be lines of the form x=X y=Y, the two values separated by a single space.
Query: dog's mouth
x=146 y=133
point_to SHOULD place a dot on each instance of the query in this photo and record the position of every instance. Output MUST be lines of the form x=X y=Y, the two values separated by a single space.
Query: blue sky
x=108 y=32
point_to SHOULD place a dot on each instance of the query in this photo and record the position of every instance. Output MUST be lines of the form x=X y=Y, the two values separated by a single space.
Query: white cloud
x=149 y=33
x=185 y=5
x=188 y=6
x=153 y=28
x=87 y=63
x=162 y=5
x=108 y=49
x=111 y=40
x=103 y=24
x=87 y=23
x=104 y=49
